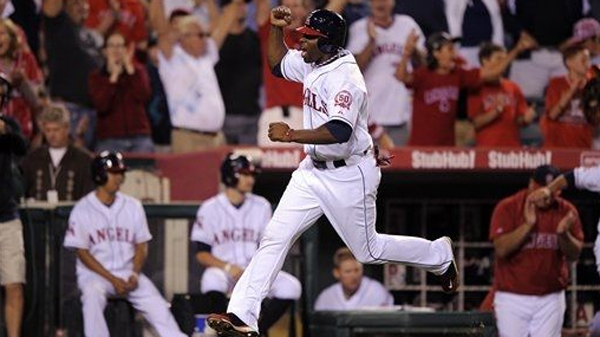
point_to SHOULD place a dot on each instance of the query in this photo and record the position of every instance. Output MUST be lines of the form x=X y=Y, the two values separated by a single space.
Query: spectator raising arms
x=73 y=52
x=436 y=86
x=120 y=92
x=499 y=108
x=187 y=57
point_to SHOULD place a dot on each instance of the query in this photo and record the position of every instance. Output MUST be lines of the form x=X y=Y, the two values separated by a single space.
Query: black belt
x=206 y=133
x=322 y=165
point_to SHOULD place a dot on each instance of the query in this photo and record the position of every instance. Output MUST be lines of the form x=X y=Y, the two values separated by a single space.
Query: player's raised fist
x=281 y=16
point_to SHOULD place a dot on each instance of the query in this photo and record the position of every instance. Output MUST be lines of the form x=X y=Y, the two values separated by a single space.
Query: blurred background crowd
x=187 y=75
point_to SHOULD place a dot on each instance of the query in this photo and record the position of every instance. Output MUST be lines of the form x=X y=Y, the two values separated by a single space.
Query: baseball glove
x=591 y=99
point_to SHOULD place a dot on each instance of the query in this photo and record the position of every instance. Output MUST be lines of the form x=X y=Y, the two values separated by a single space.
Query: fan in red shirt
x=437 y=85
x=564 y=124
x=499 y=109
x=533 y=241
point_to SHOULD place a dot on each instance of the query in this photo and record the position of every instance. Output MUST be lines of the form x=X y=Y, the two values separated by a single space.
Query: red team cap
x=585 y=29
x=309 y=31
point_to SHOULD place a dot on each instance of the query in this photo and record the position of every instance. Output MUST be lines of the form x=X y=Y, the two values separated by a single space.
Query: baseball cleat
x=229 y=325
x=449 y=278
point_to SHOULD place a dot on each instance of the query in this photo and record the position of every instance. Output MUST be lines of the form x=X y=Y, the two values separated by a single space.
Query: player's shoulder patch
x=343 y=99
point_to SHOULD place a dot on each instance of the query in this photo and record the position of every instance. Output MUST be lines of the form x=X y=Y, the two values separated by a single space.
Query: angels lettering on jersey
x=231 y=235
x=442 y=96
x=107 y=234
x=312 y=100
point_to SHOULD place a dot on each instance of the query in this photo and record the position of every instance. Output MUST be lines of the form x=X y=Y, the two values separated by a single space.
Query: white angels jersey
x=392 y=100
x=334 y=90
x=109 y=233
x=233 y=233
x=370 y=293
x=589 y=178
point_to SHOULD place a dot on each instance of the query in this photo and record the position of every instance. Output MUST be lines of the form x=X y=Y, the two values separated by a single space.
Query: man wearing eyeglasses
x=188 y=54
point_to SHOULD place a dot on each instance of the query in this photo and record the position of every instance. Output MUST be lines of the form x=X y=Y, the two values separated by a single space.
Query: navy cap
x=544 y=174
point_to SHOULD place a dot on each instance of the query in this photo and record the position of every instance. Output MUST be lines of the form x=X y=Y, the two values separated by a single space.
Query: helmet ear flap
x=325 y=46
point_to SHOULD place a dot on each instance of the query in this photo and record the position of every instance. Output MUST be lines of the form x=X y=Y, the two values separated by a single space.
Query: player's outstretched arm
x=328 y=133
x=281 y=17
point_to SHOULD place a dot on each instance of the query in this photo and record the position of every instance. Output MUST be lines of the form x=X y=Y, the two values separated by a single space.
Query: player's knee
x=93 y=293
x=214 y=279
x=289 y=288
x=274 y=238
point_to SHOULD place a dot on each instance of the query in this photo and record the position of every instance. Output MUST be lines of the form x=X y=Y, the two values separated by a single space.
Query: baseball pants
x=285 y=286
x=529 y=315
x=346 y=196
x=145 y=299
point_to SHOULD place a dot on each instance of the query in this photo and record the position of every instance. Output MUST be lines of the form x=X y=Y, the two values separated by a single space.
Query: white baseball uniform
x=346 y=195
x=233 y=234
x=390 y=99
x=110 y=234
x=370 y=293
x=589 y=178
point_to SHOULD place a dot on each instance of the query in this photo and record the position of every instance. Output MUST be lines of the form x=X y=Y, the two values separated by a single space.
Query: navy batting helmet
x=107 y=161
x=329 y=26
x=233 y=166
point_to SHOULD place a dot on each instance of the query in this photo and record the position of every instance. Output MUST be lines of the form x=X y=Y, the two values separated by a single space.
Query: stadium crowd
x=183 y=75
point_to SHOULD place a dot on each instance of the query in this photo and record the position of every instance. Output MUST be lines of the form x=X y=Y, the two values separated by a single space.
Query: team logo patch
x=343 y=99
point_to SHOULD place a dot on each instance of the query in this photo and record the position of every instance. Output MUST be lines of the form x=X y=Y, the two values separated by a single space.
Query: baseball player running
x=110 y=234
x=338 y=178
x=228 y=229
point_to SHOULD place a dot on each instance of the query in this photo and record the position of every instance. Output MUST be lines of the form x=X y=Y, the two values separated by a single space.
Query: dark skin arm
x=280 y=17
x=281 y=132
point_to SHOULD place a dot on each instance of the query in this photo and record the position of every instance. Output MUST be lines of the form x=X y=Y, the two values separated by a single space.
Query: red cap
x=584 y=29
x=310 y=31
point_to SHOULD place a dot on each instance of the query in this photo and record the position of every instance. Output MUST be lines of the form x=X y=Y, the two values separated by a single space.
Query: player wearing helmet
x=109 y=232
x=338 y=178
x=227 y=230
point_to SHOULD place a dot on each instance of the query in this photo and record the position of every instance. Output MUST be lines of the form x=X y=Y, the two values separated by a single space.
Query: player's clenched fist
x=280 y=132
x=281 y=16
